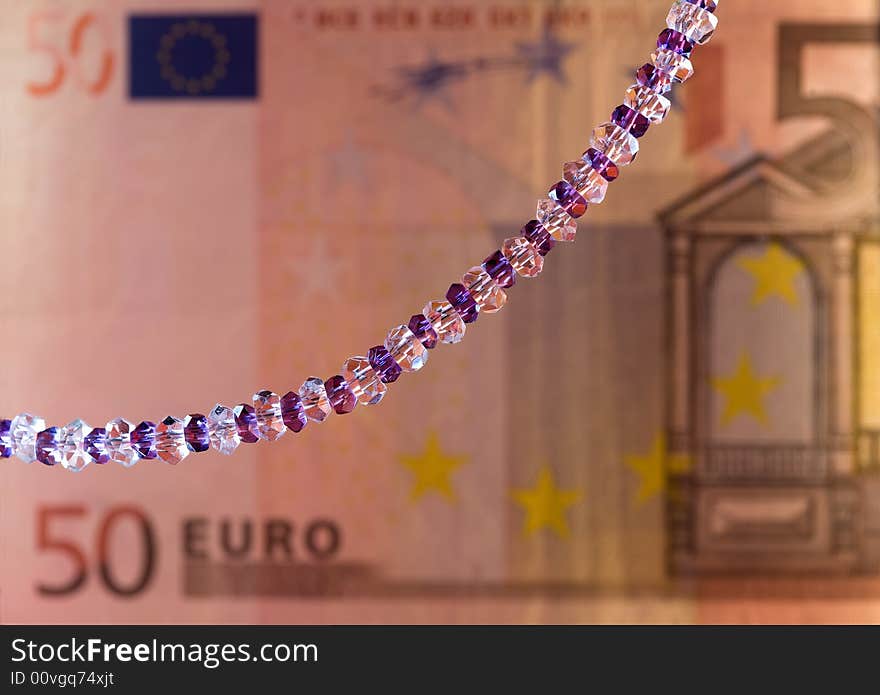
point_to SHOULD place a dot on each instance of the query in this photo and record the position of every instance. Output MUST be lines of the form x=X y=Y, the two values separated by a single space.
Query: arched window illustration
x=762 y=347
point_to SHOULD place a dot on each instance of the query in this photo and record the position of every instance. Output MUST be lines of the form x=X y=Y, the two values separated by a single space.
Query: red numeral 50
x=50 y=540
x=65 y=59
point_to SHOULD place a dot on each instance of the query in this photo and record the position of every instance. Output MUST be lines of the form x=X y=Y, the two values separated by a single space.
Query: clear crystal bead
x=693 y=21
x=119 y=447
x=314 y=399
x=171 y=440
x=446 y=321
x=485 y=291
x=73 y=454
x=677 y=66
x=223 y=430
x=586 y=180
x=363 y=380
x=23 y=433
x=653 y=106
x=558 y=222
x=523 y=256
x=267 y=406
x=615 y=143
x=406 y=349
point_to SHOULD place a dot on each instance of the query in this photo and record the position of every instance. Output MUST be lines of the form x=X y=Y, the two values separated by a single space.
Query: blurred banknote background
x=679 y=421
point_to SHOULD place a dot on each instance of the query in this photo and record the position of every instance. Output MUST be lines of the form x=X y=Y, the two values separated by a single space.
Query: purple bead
x=292 y=411
x=384 y=364
x=339 y=393
x=5 y=439
x=95 y=444
x=708 y=5
x=650 y=76
x=143 y=440
x=568 y=198
x=631 y=120
x=602 y=164
x=463 y=302
x=500 y=270
x=46 y=446
x=246 y=421
x=535 y=232
x=195 y=432
x=423 y=330
x=674 y=41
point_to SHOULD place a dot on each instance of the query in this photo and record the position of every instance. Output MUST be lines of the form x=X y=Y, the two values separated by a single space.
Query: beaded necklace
x=364 y=379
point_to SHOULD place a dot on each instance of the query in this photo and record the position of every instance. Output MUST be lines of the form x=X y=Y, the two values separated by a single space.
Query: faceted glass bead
x=5 y=439
x=498 y=267
x=246 y=421
x=677 y=66
x=342 y=398
x=693 y=21
x=48 y=446
x=588 y=182
x=223 y=430
x=23 y=432
x=653 y=106
x=96 y=445
x=314 y=399
x=486 y=293
x=292 y=412
x=73 y=453
x=423 y=330
x=555 y=220
x=143 y=439
x=650 y=76
x=708 y=5
x=446 y=321
x=119 y=447
x=267 y=407
x=601 y=163
x=384 y=364
x=615 y=143
x=537 y=233
x=463 y=302
x=523 y=256
x=674 y=41
x=631 y=120
x=171 y=440
x=195 y=429
x=363 y=380
x=568 y=198
x=406 y=349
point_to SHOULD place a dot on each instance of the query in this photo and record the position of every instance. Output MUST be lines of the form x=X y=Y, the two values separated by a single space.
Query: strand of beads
x=482 y=290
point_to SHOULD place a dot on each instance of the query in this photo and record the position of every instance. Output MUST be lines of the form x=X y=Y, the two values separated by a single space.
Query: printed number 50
x=47 y=540
x=66 y=59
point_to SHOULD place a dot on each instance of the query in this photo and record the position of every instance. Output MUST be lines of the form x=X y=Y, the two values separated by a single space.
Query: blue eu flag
x=192 y=56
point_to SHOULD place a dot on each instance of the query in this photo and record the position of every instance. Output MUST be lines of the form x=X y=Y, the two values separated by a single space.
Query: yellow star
x=744 y=391
x=545 y=505
x=432 y=469
x=774 y=274
x=652 y=468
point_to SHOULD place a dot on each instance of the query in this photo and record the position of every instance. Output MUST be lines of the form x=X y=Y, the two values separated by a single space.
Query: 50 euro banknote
x=199 y=205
